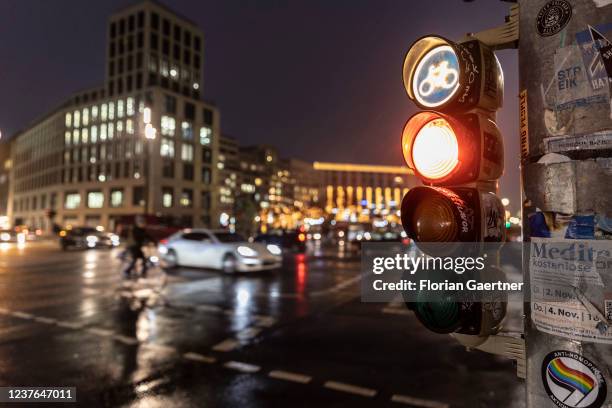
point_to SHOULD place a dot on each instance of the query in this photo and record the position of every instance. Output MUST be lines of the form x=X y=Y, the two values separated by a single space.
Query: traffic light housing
x=455 y=147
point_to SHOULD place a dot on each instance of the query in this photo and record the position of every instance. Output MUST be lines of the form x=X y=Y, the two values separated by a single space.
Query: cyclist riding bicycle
x=137 y=237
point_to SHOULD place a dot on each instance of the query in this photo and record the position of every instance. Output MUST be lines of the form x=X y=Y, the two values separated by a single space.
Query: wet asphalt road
x=299 y=337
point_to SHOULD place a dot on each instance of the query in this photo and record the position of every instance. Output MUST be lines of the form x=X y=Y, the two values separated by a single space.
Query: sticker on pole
x=573 y=381
x=553 y=17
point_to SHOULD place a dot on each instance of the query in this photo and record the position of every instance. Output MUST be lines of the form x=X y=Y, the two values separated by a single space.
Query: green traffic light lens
x=440 y=317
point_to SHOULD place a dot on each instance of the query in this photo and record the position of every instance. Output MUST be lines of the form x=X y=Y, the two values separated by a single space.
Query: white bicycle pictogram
x=438 y=76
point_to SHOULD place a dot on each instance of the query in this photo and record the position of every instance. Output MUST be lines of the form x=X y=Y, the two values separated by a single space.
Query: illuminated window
x=75 y=137
x=85 y=117
x=120 y=109
x=104 y=111
x=129 y=106
x=94 y=113
x=116 y=198
x=103 y=131
x=111 y=130
x=186 y=197
x=168 y=125
x=205 y=135
x=129 y=126
x=84 y=135
x=111 y=110
x=187 y=152
x=187 y=131
x=138 y=147
x=95 y=199
x=167 y=197
x=167 y=147
x=119 y=126
x=94 y=134
x=76 y=118
x=72 y=201
x=67 y=138
x=68 y=120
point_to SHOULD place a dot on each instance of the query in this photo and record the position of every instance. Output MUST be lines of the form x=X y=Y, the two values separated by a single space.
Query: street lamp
x=505 y=202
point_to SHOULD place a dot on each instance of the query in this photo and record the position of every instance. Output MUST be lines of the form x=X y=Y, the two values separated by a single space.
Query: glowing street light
x=505 y=201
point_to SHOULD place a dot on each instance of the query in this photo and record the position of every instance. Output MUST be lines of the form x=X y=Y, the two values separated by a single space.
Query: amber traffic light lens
x=433 y=220
x=435 y=150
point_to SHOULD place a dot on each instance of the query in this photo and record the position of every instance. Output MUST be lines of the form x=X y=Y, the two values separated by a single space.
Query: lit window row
x=104 y=112
x=94 y=134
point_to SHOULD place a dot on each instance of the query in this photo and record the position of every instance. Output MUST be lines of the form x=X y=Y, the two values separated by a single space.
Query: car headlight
x=91 y=239
x=246 y=251
x=162 y=250
x=274 y=249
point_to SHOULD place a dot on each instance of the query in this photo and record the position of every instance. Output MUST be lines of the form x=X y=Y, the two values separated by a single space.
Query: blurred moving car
x=87 y=237
x=287 y=240
x=221 y=250
x=12 y=236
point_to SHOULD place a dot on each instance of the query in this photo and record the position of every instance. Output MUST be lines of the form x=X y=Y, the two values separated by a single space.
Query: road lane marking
x=396 y=311
x=226 y=345
x=126 y=339
x=418 y=402
x=248 y=333
x=70 y=325
x=289 y=376
x=46 y=320
x=349 y=388
x=22 y=315
x=159 y=347
x=208 y=308
x=242 y=367
x=100 y=332
x=199 y=357
x=265 y=321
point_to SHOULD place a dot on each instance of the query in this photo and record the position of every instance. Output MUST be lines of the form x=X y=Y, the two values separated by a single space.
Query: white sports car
x=222 y=250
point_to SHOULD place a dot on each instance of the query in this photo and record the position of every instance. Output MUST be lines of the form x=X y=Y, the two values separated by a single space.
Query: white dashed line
x=248 y=333
x=418 y=402
x=70 y=325
x=242 y=367
x=208 y=308
x=289 y=376
x=22 y=315
x=125 y=339
x=396 y=311
x=159 y=347
x=99 y=332
x=349 y=388
x=199 y=357
x=226 y=345
x=46 y=320
x=265 y=321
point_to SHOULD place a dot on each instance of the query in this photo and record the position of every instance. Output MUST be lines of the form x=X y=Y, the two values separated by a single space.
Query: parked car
x=87 y=237
x=286 y=240
x=221 y=250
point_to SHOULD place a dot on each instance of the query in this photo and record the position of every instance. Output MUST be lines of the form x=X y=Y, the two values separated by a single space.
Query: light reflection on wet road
x=201 y=338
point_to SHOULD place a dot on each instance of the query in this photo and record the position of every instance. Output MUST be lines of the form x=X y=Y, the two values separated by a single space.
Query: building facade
x=360 y=192
x=143 y=143
x=5 y=167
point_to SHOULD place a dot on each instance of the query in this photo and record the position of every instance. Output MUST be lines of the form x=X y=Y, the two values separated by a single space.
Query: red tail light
x=163 y=241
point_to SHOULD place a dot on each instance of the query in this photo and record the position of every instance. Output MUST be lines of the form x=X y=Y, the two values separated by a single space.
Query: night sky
x=319 y=79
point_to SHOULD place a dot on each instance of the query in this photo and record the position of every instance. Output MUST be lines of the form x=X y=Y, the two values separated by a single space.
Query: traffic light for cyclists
x=455 y=147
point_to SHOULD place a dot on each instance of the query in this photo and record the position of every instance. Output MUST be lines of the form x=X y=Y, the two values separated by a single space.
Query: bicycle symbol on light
x=439 y=76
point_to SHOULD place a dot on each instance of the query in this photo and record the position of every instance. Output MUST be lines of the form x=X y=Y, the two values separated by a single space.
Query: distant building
x=5 y=167
x=229 y=178
x=355 y=192
x=143 y=143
